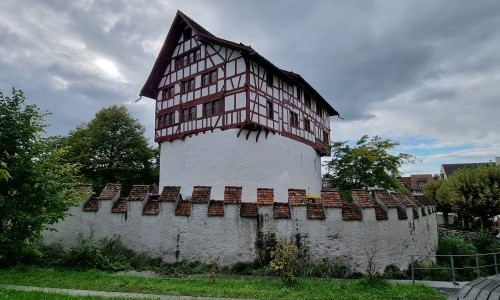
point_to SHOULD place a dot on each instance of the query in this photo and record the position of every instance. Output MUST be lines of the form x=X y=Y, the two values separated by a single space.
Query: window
x=421 y=183
x=197 y=54
x=319 y=110
x=178 y=63
x=294 y=119
x=188 y=85
x=270 y=110
x=213 y=76
x=307 y=100
x=192 y=113
x=187 y=34
x=269 y=78
x=209 y=78
x=211 y=108
x=171 y=117
x=185 y=115
x=167 y=93
x=299 y=93
x=326 y=138
x=205 y=79
x=307 y=125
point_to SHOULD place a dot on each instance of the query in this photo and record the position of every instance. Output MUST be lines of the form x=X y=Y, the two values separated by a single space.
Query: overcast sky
x=425 y=73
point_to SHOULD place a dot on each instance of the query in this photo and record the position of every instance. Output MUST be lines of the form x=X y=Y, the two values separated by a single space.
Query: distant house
x=448 y=169
x=416 y=183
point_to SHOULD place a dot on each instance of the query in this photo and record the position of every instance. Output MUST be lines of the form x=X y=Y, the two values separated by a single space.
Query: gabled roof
x=180 y=22
x=448 y=169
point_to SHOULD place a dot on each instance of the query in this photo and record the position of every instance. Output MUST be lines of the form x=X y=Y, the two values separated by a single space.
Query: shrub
x=284 y=261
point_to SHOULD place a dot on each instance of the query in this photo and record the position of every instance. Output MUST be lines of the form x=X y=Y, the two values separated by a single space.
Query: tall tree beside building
x=36 y=186
x=111 y=148
x=368 y=164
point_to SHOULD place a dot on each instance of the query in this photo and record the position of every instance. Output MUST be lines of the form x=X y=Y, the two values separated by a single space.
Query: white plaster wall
x=222 y=159
x=230 y=239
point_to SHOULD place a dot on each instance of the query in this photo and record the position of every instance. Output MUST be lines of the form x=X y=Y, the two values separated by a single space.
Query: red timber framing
x=201 y=82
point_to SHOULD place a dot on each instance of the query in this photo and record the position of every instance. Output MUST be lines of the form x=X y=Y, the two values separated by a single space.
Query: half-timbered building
x=226 y=116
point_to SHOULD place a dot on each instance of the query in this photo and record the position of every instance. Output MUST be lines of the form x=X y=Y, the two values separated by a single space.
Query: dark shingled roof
x=315 y=212
x=180 y=21
x=297 y=197
x=331 y=198
x=265 y=196
x=249 y=210
x=120 y=206
x=363 y=198
x=281 y=210
x=201 y=194
x=215 y=208
x=170 y=193
x=151 y=208
x=110 y=191
x=232 y=194
x=138 y=193
x=451 y=168
x=92 y=205
x=183 y=208
x=350 y=212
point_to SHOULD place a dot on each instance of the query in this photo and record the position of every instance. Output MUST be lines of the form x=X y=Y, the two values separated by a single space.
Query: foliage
x=369 y=164
x=112 y=149
x=34 y=295
x=284 y=261
x=248 y=287
x=37 y=187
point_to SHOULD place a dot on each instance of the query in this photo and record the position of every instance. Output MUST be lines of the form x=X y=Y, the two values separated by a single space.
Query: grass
x=25 y=295
x=254 y=287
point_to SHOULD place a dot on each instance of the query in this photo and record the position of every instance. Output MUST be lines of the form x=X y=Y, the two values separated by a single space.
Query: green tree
x=369 y=164
x=36 y=186
x=111 y=148
x=438 y=191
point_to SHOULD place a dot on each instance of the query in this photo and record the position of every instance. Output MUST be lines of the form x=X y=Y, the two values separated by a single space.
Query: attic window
x=269 y=78
x=319 y=110
x=187 y=34
x=299 y=93
x=307 y=100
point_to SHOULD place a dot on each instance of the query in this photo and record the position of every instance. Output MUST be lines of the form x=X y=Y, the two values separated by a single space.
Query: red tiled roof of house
x=331 y=198
x=92 y=205
x=110 y=191
x=183 y=208
x=422 y=199
x=350 y=212
x=381 y=214
x=170 y=193
x=385 y=198
x=120 y=206
x=232 y=194
x=151 y=208
x=215 y=208
x=138 y=193
x=249 y=209
x=201 y=194
x=281 y=210
x=297 y=197
x=265 y=196
x=315 y=212
x=363 y=198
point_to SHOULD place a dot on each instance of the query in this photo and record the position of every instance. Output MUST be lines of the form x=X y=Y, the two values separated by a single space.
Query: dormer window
x=187 y=34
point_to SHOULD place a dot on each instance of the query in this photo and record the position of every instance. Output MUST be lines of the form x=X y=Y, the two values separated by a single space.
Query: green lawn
x=24 y=295
x=255 y=287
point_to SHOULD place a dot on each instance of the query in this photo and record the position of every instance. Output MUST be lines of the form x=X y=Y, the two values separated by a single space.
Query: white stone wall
x=231 y=238
x=222 y=159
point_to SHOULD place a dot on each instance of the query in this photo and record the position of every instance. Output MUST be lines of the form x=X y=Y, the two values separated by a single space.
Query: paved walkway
x=105 y=294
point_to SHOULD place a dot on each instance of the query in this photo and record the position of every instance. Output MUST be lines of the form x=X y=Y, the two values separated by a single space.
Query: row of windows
x=188 y=58
x=211 y=108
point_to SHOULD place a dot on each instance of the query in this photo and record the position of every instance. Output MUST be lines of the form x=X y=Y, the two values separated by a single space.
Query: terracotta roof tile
x=350 y=212
x=281 y=210
x=402 y=215
x=138 y=193
x=363 y=198
x=151 y=208
x=315 y=212
x=385 y=198
x=120 y=206
x=249 y=209
x=201 y=194
x=183 y=208
x=331 y=198
x=422 y=199
x=84 y=188
x=265 y=196
x=232 y=194
x=110 y=191
x=170 y=193
x=381 y=214
x=297 y=197
x=403 y=199
x=215 y=208
x=92 y=205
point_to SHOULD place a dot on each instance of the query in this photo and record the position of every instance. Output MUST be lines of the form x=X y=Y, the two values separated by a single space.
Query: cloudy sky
x=425 y=73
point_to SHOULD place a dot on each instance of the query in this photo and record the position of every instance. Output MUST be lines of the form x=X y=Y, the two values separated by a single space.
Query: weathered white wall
x=231 y=238
x=222 y=159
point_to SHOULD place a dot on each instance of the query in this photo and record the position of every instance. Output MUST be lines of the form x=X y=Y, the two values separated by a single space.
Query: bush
x=284 y=261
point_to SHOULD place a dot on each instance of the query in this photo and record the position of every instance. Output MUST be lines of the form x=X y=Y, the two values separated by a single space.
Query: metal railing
x=457 y=263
